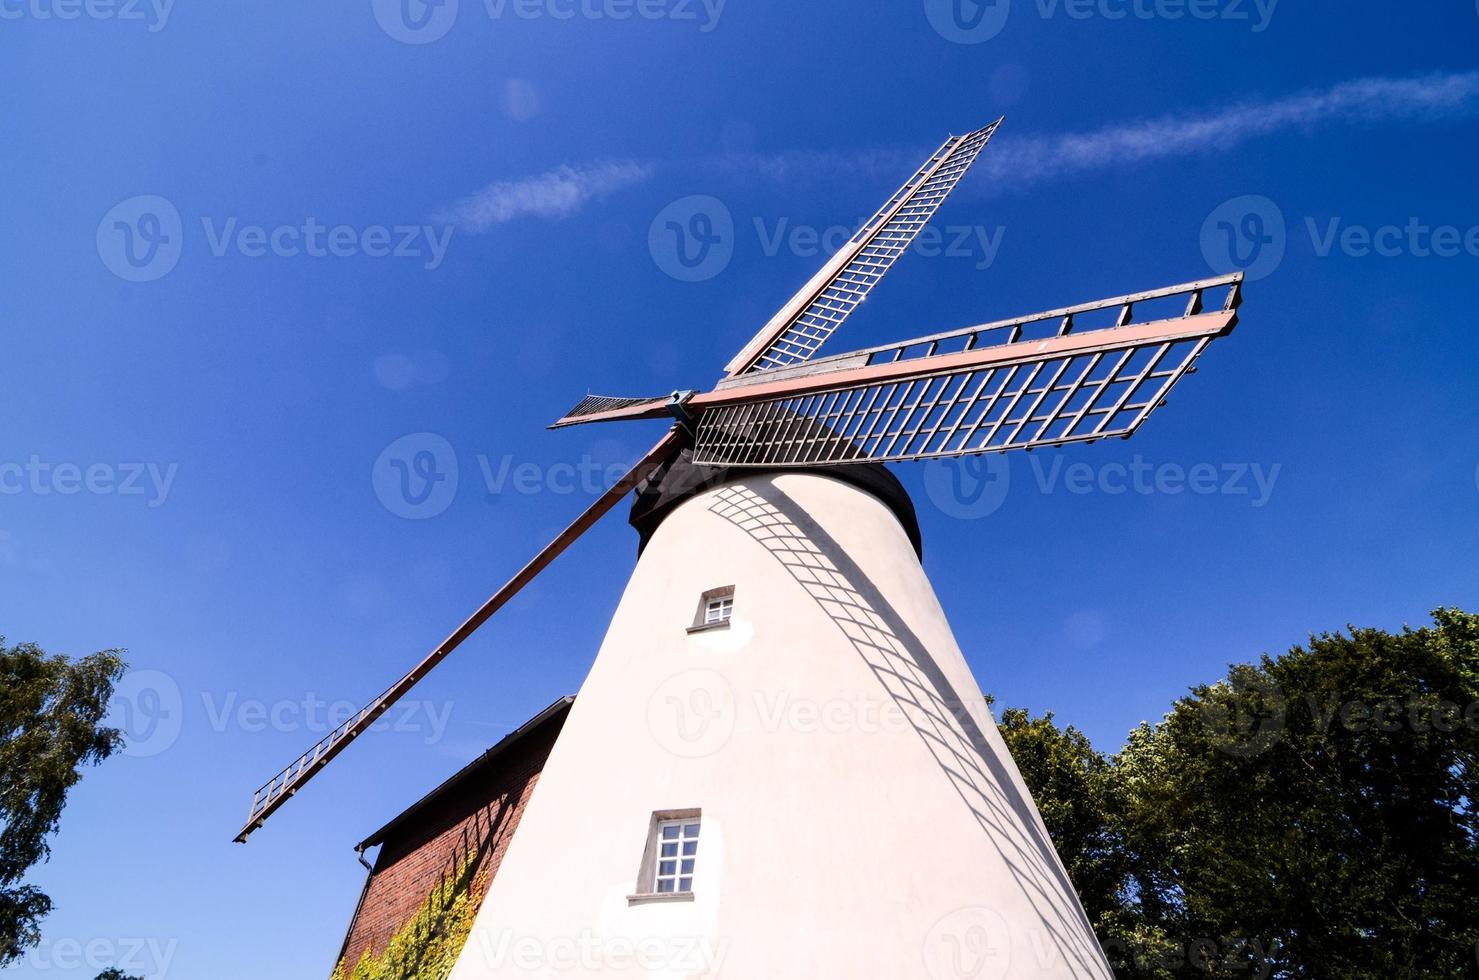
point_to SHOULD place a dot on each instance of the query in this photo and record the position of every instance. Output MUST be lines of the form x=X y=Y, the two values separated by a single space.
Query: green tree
x=51 y=713
x=113 y=973
x=1312 y=815
x=1073 y=786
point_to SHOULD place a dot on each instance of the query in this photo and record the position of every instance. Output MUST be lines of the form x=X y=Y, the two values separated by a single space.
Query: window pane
x=689 y=847
x=670 y=832
x=665 y=885
x=688 y=866
x=667 y=867
x=685 y=884
x=690 y=830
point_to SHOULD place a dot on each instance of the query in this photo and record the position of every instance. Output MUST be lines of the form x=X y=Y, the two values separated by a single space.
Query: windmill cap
x=681 y=479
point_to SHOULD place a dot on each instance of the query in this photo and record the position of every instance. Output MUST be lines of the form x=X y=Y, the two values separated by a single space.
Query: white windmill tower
x=780 y=764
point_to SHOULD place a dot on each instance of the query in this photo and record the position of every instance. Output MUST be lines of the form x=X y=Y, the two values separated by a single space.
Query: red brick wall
x=477 y=816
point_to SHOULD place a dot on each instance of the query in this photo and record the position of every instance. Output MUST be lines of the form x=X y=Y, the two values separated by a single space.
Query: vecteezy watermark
x=153 y=14
x=1246 y=717
x=977 y=21
x=1252 y=715
x=1250 y=233
x=149 y=957
x=1247 y=233
x=968 y=21
x=415 y=476
x=971 y=487
x=142 y=239
x=692 y=714
x=415 y=21
x=424 y=21
x=592 y=953
x=1231 y=955
x=313 y=714
x=976 y=242
x=588 y=477
x=40 y=478
x=693 y=239
x=969 y=944
x=148 y=709
x=976 y=487
x=1414 y=237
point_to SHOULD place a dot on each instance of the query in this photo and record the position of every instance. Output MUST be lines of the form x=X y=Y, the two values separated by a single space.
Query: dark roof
x=682 y=478
x=553 y=715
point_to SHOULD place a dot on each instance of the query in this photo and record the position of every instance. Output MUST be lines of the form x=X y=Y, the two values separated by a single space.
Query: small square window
x=670 y=858
x=718 y=610
x=676 y=857
x=715 y=607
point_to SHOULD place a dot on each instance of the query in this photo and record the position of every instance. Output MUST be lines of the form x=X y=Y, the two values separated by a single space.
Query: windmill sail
x=884 y=405
x=812 y=315
x=277 y=790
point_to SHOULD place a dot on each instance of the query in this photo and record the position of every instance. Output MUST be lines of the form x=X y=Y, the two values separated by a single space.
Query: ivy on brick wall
x=426 y=947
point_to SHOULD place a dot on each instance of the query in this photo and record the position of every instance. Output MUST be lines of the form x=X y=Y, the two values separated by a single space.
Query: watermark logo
x=415 y=477
x=977 y=242
x=1415 y=238
x=975 y=487
x=593 y=954
x=1258 y=14
x=692 y=239
x=969 y=488
x=415 y=21
x=969 y=944
x=141 y=239
x=1249 y=720
x=313 y=714
x=153 y=13
x=1247 y=233
x=41 y=478
x=150 y=957
x=148 y=709
x=425 y=21
x=968 y=21
x=692 y=714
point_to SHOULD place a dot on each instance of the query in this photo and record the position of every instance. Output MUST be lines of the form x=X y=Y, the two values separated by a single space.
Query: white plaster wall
x=861 y=815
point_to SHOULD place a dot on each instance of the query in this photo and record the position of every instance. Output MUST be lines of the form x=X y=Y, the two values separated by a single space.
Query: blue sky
x=194 y=457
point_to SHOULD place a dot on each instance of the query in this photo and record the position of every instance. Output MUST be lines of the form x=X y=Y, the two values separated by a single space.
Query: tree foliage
x=1313 y=815
x=51 y=714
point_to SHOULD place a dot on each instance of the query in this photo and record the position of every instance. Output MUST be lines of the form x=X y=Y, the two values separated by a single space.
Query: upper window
x=677 y=852
x=718 y=610
x=714 y=609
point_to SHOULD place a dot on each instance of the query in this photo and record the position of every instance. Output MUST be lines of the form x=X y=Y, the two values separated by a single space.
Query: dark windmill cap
x=680 y=479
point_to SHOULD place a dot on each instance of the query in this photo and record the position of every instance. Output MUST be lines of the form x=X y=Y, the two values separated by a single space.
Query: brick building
x=470 y=817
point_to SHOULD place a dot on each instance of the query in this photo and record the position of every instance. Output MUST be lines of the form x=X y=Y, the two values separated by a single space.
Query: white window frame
x=669 y=830
x=718 y=610
x=720 y=600
x=675 y=870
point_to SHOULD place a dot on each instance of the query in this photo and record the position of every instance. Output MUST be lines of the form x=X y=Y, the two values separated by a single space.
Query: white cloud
x=557 y=193
x=1014 y=160
x=1367 y=100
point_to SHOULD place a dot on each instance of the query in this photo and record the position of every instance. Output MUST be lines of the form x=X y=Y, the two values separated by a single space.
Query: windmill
x=812 y=572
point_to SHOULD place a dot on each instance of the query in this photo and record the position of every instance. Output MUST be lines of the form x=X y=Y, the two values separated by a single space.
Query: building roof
x=553 y=715
x=682 y=478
